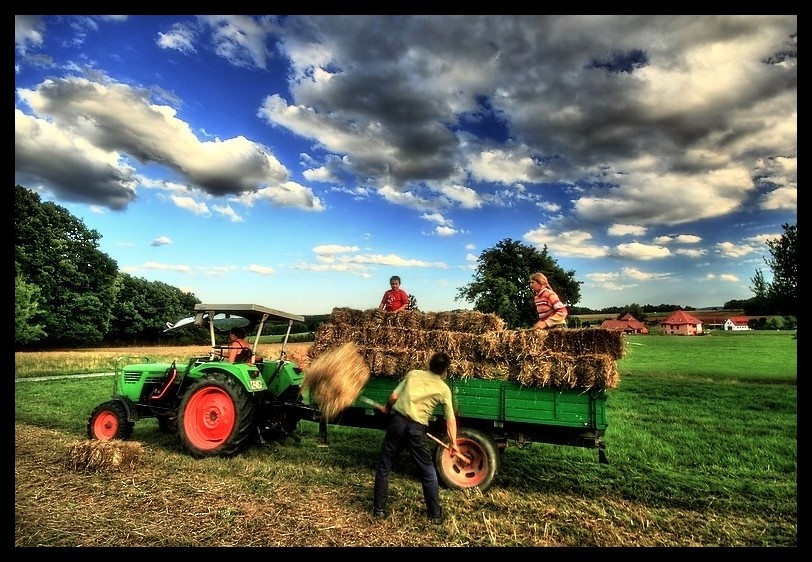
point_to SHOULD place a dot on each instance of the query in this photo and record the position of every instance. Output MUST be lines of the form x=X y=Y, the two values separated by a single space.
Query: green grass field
x=702 y=449
x=752 y=355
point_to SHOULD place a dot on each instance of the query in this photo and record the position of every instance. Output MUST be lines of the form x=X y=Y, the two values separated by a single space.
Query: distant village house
x=736 y=323
x=627 y=324
x=681 y=323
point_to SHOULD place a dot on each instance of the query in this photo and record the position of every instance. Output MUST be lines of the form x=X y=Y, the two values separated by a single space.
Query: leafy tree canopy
x=59 y=255
x=143 y=307
x=783 y=291
x=501 y=282
x=781 y=295
x=635 y=310
x=26 y=312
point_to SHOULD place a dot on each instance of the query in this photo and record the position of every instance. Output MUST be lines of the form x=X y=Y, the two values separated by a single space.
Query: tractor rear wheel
x=109 y=421
x=216 y=416
x=483 y=453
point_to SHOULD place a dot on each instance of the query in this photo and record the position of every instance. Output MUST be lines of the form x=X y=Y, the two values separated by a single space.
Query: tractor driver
x=239 y=350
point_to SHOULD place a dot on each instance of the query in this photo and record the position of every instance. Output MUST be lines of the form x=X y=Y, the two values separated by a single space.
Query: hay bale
x=577 y=341
x=346 y=316
x=372 y=316
x=598 y=370
x=335 y=379
x=324 y=336
x=112 y=455
x=442 y=320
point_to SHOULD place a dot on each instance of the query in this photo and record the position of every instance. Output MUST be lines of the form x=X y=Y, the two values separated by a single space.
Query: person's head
x=394 y=281
x=538 y=281
x=237 y=332
x=439 y=363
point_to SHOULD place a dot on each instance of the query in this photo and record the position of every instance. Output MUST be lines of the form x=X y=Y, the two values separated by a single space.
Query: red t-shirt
x=394 y=299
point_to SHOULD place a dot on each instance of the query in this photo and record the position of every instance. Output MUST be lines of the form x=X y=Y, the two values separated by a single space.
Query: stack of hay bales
x=479 y=346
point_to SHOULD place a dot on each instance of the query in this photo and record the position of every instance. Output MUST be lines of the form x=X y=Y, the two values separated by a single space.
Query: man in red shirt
x=395 y=299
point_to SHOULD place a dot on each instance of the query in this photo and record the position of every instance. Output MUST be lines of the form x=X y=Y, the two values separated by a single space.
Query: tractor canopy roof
x=227 y=316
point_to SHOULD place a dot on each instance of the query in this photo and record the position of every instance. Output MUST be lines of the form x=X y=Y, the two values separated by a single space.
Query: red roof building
x=681 y=323
x=737 y=323
x=627 y=324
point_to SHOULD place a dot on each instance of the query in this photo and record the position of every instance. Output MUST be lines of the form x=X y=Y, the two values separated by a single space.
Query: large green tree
x=59 y=255
x=759 y=304
x=501 y=282
x=783 y=290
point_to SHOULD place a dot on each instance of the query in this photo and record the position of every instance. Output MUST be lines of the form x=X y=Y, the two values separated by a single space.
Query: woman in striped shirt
x=552 y=312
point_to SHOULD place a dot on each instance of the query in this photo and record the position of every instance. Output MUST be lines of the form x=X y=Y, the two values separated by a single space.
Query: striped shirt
x=549 y=307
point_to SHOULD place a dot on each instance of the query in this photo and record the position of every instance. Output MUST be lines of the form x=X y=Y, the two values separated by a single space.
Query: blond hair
x=541 y=278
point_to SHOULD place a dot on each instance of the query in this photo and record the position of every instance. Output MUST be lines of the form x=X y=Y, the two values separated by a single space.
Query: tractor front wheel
x=109 y=421
x=216 y=416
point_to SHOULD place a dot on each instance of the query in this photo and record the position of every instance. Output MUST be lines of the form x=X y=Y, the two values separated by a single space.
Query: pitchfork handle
x=462 y=457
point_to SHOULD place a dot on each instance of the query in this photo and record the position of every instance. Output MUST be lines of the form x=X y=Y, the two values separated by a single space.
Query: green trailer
x=490 y=415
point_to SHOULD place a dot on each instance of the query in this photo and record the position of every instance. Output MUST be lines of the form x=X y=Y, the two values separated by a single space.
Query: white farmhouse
x=736 y=323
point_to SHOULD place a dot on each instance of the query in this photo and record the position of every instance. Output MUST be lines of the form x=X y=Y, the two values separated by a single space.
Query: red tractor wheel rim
x=106 y=425
x=209 y=418
x=462 y=474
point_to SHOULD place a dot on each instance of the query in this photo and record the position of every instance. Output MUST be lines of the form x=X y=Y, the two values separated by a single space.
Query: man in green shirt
x=412 y=404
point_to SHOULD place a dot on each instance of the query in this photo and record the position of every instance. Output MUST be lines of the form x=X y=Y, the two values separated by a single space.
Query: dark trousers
x=404 y=433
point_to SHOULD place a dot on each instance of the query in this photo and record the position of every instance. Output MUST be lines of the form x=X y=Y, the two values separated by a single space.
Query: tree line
x=70 y=293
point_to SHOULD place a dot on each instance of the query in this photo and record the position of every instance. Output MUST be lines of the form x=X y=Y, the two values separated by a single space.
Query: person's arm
x=558 y=316
x=232 y=353
x=450 y=421
x=451 y=431
x=389 y=403
x=382 y=306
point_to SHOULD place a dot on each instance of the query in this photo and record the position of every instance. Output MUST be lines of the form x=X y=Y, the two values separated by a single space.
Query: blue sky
x=298 y=162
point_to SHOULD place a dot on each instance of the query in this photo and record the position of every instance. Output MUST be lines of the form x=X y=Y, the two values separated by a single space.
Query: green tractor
x=215 y=407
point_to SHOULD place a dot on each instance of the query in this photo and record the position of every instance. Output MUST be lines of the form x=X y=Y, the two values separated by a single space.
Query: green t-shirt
x=419 y=393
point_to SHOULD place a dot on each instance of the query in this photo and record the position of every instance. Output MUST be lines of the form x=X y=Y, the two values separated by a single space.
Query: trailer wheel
x=215 y=417
x=109 y=421
x=483 y=453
